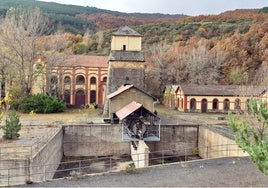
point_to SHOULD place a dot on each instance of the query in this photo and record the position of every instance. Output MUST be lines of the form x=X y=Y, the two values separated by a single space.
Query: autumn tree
x=49 y=67
x=19 y=32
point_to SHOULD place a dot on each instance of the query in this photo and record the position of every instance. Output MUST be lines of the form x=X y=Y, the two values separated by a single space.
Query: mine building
x=212 y=98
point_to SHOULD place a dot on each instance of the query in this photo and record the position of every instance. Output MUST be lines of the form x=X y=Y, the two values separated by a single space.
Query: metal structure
x=138 y=123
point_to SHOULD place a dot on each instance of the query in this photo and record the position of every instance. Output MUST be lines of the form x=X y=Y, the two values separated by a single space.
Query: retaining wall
x=51 y=154
x=174 y=139
x=94 y=140
x=212 y=144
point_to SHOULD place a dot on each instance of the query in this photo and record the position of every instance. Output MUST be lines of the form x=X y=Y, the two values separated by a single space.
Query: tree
x=19 y=33
x=157 y=75
x=12 y=126
x=251 y=133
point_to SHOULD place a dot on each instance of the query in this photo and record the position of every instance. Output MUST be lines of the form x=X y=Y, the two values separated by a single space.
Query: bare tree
x=55 y=55
x=19 y=32
x=156 y=75
x=204 y=66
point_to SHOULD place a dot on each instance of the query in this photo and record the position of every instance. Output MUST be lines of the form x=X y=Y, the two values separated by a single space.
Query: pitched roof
x=85 y=61
x=128 y=109
x=116 y=55
x=126 y=31
x=125 y=88
x=221 y=90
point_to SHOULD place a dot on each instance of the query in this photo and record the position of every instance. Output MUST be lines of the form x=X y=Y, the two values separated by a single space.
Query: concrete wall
x=16 y=171
x=94 y=140
x=51 y=154
x=140 y=154
x=19 y=171
x=176 y=138
x=222 y=145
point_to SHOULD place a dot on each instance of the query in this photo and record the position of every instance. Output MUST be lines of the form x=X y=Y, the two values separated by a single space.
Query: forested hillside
x=229 y=48
x=77 y=19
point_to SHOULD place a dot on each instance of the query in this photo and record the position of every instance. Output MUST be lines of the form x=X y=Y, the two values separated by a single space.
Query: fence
x=13 y=152
x=77 y=168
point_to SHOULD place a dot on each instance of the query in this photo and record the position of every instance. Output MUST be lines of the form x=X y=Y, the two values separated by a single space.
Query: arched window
x=215 y=104
x=237 y=104
x=93 y=80
x=226 y=104
x=80 y=79
x=204 y=105
x=104 y=79
x=192 y=104
x=67 y=80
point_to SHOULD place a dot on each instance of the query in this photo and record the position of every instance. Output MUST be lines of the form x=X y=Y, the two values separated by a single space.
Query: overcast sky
x=188 y=7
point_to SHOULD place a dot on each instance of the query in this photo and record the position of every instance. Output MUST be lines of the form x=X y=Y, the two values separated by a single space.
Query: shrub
x=12 y=126
x=42 y=104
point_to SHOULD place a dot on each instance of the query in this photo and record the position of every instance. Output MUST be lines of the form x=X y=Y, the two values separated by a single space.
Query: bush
x=42 y=104
x=13 y=126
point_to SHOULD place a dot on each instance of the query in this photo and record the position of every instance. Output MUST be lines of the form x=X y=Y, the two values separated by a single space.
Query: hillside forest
x=229 y=48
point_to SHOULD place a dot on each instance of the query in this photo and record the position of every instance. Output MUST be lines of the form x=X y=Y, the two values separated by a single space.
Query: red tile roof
x=128 y=109
x=86 y=61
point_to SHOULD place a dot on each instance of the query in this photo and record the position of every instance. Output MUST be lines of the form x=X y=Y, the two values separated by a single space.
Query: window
x=237 y=104
x=67 y=80
x=104 y=79
x=67 y=96
x=80 y=79
x=192 y=104
x=204 y=105
x=215 y=104
x=92 y=80
x=92 y=96
x=226 y=104
x=124 y=47
x=53 y=80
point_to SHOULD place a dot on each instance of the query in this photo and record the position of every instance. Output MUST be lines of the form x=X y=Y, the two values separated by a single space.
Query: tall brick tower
x=126 y=61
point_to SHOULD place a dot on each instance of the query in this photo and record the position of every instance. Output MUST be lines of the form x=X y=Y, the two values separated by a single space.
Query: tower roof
x=126 y=31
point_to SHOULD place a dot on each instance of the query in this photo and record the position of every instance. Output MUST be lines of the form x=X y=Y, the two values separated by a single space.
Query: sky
x=187 y=7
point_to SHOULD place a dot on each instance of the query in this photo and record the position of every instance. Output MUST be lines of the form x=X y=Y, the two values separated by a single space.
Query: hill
x=77 y=19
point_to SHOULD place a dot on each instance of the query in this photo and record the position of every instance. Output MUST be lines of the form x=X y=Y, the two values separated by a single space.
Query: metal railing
x=26 y=151
x=78 y=168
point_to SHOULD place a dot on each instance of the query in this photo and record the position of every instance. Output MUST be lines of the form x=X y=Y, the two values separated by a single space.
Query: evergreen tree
x=12 y=125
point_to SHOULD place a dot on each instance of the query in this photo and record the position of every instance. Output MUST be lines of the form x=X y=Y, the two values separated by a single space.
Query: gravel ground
x=224 y=172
